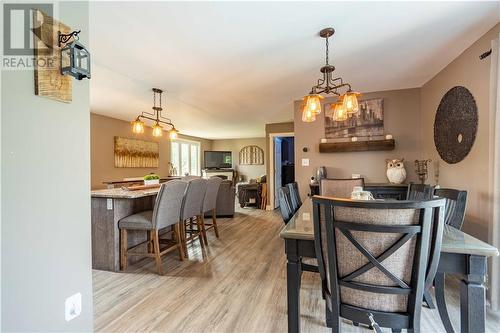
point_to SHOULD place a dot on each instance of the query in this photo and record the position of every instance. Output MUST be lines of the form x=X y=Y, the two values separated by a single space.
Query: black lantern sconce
x=75 y=59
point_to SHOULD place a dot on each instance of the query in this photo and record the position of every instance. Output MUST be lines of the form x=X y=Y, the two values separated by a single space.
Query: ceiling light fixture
x=156 y=116
x=347 y=104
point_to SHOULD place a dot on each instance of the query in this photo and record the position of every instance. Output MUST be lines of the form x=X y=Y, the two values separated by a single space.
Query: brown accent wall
x=287 y=127
x=401 y=119
x=235 y=145
x=102 y=132
x=471 y=174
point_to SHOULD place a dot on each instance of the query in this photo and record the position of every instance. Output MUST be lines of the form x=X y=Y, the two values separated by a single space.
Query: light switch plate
x=305 y=162
x=73 y=307
x=109 y=204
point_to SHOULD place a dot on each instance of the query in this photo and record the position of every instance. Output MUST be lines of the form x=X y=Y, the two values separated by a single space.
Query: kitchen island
x=109 y=206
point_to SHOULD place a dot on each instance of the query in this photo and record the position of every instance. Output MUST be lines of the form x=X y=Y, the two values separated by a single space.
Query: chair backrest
x=339 y=188
x=168 y=203
x=193 y=200
x=454 y=210
x=189 y=178
x=285 y=204
x=294 y=195
x=377 y=247
x=210 y=200
x=420 y=192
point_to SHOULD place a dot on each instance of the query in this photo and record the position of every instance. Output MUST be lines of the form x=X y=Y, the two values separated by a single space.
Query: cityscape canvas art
x=369 y=121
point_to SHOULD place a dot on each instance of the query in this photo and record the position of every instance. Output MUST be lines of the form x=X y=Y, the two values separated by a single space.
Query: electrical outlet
x=73 y=307
x=109 y=204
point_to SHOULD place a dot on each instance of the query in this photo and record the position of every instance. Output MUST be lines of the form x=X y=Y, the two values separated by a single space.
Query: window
x=185 y=156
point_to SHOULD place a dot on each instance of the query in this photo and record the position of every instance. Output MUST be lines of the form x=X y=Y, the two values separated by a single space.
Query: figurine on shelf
x=421 y=169
x=396 y=172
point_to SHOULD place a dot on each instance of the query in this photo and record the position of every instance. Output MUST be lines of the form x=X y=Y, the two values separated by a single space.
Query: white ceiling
x=228 y=68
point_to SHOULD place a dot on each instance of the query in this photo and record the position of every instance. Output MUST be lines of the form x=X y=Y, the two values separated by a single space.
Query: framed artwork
x=369 y=121
x=133 y=153
x=251 y=155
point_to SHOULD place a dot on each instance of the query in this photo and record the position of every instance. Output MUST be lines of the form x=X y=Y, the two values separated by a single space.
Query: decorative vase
x=151 y=182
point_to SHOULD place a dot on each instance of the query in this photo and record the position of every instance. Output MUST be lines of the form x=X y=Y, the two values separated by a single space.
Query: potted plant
x=151 y=179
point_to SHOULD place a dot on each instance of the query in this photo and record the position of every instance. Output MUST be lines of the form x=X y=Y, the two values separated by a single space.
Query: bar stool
x=209 y=205
x=190 y=211
x=165 y=214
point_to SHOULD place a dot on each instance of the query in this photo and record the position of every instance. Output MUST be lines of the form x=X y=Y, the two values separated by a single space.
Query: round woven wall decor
x=455 y=125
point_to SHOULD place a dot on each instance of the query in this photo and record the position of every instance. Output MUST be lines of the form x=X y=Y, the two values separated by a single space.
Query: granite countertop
x=454 y=240
x=118 y=193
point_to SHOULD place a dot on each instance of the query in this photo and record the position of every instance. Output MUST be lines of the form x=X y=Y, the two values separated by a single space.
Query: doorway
x=282 y=164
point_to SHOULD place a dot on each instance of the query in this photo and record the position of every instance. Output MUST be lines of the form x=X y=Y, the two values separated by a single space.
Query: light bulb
x=157 y=130
x=350 y=101
x=339 y=112
x=312 y=102
x=308 y=116
x=137 y=126
x=173 y=133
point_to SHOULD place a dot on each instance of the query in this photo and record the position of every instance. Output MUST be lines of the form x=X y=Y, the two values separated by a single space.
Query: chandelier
x=156 y=116
x=347 y=103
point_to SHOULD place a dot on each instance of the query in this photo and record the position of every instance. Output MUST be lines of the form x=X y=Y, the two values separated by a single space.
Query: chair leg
x=180 y=244
x=439 y=284
x=428 y=299
x=123 y=249
x=156 y=249
x=182 y=225
x=396 y=330
x=214 y=221
x=149 y=242
x=203 y=229
x=200 y=231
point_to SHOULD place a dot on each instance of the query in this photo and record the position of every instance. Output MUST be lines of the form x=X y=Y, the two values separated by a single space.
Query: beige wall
x=401 y=119
x=287 y=127
x=235 y=145
x=471 y=174
x=104 y=129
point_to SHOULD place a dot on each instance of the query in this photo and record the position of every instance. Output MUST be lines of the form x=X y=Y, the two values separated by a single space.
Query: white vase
x=152 y=182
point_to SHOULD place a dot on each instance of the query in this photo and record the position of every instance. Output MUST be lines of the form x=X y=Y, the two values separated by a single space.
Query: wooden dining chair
x=285 y=204
x=296 y=202
x=339 y=188
x=376 y=259
x=190 y=215
x=164 y=214
x=454 y=213
x=419 y=192
x=209 y=206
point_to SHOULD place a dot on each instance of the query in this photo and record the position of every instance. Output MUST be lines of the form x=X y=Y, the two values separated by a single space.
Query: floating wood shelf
x=342 y=147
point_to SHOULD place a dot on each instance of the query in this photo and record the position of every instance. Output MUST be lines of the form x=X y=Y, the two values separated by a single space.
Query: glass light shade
x=157 y=130
x=173 y=133
x=308 y=116
x=350 y=102
x=339 y=113
x=137 y=126
x=312 y=103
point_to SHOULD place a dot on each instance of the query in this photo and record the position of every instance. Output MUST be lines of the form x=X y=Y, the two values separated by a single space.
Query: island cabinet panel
x=106 y=213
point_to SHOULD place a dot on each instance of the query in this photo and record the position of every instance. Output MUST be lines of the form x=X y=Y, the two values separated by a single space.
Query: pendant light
x=339 y=111
x=157 y=117
x=329 y=85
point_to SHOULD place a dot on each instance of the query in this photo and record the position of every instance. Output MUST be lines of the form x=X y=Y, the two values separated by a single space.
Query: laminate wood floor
x=237 y=284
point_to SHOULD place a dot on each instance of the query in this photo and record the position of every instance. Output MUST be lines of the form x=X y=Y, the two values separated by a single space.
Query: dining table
x=461 y=255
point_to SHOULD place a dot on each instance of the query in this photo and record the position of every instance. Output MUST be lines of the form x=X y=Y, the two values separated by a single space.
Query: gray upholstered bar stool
x=209 y=205
x=191 y=211
x=165 y=213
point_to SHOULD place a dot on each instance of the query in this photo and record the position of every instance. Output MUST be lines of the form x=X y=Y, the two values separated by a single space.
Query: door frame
x=270 y=205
